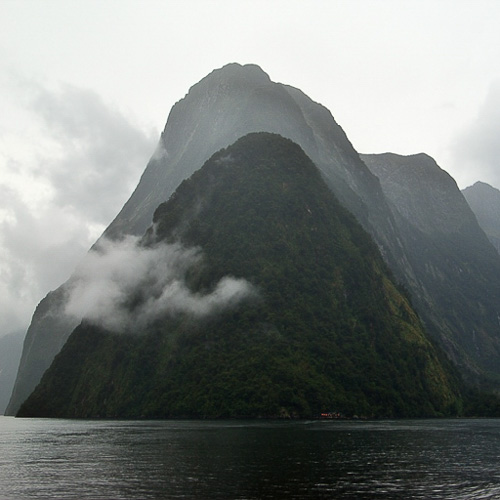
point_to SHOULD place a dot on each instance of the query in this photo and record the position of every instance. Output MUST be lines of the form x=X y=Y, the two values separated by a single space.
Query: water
x=423 y=459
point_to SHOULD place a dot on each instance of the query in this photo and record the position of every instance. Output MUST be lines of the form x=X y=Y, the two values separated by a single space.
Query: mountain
x=455 y=271
x=322 y=325
x=229 y=103
x=225 y=105
x=10 y=352
x=420 y=222
x=484 y=201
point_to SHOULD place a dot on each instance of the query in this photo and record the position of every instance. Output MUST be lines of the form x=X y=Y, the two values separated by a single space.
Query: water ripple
x=421 y=459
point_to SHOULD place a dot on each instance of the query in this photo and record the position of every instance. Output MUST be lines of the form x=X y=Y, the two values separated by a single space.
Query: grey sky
x=86 y=87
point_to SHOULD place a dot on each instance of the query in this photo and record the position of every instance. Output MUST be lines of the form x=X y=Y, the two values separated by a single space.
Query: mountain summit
x=229 y=103
x=325 y=328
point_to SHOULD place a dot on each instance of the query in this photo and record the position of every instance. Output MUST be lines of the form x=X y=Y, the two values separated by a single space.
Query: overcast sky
x=86 y=88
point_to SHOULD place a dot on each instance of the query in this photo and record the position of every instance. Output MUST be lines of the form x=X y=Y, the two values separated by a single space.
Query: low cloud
x=123 y=286
x=476 y=150
x=84 y=158
x=38 y=249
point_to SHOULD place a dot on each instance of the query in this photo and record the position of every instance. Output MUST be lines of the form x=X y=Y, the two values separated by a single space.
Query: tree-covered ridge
x=327 y=331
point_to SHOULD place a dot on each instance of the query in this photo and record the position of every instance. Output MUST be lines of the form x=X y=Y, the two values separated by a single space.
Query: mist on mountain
x=124 y=287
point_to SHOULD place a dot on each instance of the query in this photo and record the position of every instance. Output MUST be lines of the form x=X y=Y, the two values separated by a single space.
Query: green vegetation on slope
x=328 y=331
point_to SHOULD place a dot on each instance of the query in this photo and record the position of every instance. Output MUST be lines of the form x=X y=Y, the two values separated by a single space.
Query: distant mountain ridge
x=484 y=201
x=424 y=194
x=456 y=271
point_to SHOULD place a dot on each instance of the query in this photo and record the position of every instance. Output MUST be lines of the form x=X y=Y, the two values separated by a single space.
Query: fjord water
x=427 y=459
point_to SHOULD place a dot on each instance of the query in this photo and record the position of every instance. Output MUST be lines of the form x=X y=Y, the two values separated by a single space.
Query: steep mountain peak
x=483 y=187
x=232 y=75
x=229 y=103
x=234 y=71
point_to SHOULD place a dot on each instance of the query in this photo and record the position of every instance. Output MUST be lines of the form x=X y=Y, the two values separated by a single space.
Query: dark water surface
x=427 y=459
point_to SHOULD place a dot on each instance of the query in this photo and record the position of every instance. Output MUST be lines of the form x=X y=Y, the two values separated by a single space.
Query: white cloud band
x=123 y=286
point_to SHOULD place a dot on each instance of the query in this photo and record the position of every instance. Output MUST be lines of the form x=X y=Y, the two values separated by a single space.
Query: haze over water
x=427 y=459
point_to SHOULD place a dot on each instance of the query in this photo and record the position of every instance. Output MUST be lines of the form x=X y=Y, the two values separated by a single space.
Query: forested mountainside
x=322 y=325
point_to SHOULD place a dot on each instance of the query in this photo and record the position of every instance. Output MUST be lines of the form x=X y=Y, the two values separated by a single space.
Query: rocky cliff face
x=454 y=272
x=225 y=105
x=484 y=201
